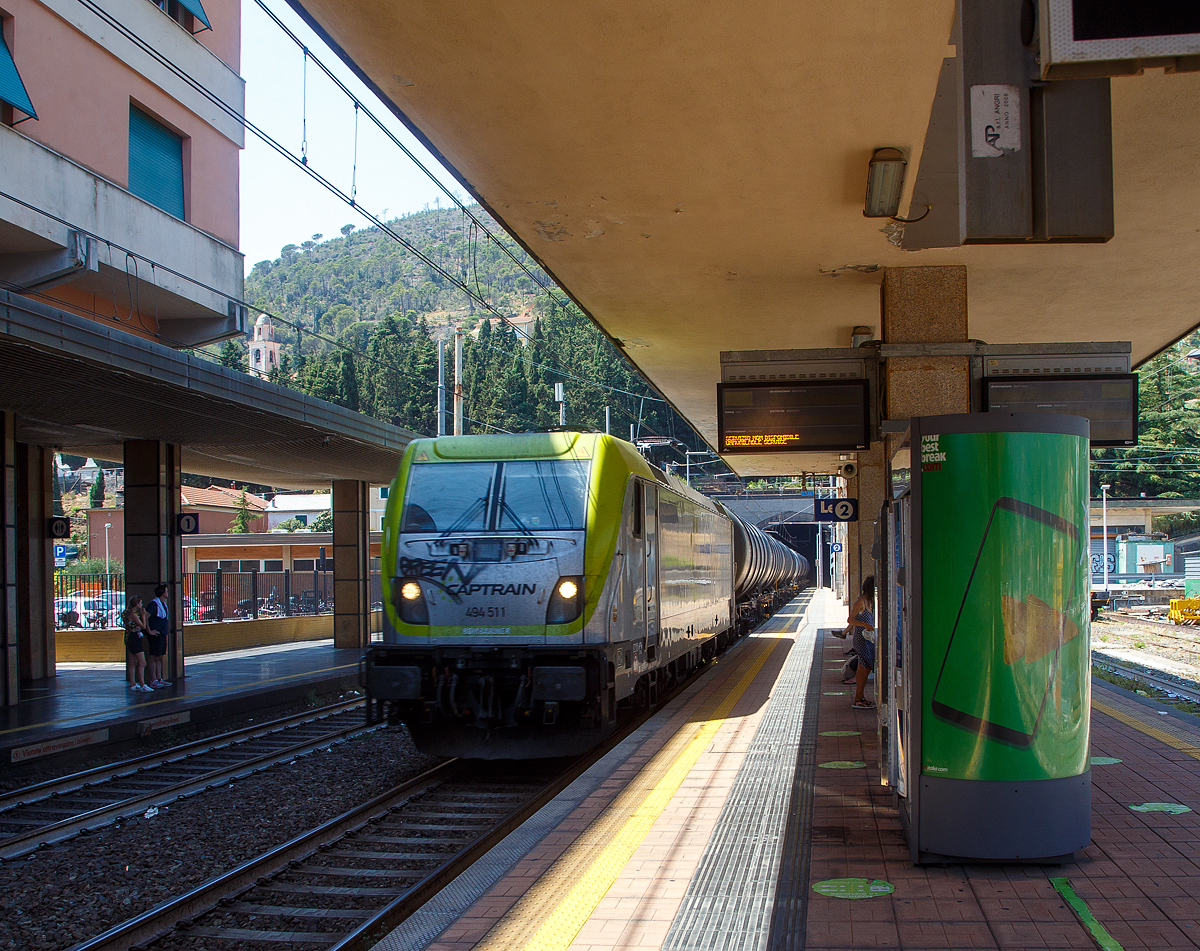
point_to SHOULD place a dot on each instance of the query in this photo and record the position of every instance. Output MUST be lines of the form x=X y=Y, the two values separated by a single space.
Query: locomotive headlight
x=566 y=601
x=409 y=601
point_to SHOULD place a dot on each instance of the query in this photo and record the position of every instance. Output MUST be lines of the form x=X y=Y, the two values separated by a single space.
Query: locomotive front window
x=451 y=497
x=541 y=496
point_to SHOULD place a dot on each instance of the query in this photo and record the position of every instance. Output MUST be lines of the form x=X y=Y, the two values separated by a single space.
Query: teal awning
x=196 y=8
x=12 y=90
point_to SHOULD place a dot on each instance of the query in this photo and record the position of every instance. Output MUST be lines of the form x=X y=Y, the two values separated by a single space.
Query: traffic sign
x=835 y=547
x=835 y=510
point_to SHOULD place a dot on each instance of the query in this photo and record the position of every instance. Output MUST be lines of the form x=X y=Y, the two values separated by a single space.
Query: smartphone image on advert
x=1001 y=664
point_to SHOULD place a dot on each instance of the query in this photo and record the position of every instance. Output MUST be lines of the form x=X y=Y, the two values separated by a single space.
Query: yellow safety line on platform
x=1189 y=748
x=558 y=905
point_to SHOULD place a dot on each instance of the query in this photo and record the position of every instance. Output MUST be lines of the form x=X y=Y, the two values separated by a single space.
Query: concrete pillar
x=153 y=552
x=35 y=561
x=926 y=305
x=919 y=305
x=8 y=560
x=351 y=562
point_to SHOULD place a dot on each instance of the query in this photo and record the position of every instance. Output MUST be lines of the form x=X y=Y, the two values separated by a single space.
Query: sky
x=280 y=203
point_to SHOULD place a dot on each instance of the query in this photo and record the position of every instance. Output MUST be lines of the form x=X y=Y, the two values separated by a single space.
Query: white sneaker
x=146 y=688
x=134 y=687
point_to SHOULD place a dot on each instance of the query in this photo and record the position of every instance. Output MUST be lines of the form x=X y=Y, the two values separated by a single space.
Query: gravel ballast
x=66 y=893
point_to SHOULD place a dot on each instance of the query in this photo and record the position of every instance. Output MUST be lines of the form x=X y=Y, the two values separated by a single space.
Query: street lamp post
x=1104 y=533
x=107 y=526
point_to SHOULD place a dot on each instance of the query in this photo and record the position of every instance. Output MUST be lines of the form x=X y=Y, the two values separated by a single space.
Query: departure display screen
x=793 y=416
x=1108 y=401
x=1118 y=19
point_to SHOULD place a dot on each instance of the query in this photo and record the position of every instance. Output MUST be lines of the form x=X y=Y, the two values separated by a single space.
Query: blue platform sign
x=64 y=552
x=835 y=547
x=835 y=510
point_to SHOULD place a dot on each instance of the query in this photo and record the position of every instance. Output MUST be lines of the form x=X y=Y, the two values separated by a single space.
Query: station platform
x=731 y=820
x=88 y=705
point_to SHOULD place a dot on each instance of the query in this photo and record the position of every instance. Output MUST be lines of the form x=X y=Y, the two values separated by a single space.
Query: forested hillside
x=366 y=316
x=1166 y=462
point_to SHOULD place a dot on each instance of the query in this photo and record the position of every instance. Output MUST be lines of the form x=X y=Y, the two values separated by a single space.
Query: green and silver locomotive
x=535 y=586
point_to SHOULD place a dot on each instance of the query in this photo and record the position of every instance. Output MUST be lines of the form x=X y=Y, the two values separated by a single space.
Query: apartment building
x=120 y=134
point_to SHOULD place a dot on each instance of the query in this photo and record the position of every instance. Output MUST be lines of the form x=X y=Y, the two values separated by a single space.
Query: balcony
x=71 y=234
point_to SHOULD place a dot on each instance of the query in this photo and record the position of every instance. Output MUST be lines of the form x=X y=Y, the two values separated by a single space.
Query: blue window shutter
x=12 y=90
x=197 y=10
x=155 y=163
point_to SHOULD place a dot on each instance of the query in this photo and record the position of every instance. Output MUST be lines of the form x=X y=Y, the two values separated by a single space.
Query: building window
x=13 y=96
x=250 y=565
x=304 y=564
x=187 y=13
x=207 y=565
x=229 y=565
x=155 y=163
x=383 y=491
x=273 y=564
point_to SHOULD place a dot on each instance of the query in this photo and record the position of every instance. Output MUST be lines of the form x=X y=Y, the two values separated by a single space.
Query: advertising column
x=1002 y=504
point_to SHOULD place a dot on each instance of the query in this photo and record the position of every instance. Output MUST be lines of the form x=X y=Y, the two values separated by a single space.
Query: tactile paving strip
x=730 y=901
x=448 y=905
x=445 y=908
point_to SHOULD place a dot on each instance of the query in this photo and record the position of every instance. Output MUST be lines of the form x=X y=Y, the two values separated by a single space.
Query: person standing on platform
x=160 y=628
x=135 y=645
x=862 y=619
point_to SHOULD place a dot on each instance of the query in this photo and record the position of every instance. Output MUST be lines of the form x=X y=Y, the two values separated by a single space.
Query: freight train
x=537 y=586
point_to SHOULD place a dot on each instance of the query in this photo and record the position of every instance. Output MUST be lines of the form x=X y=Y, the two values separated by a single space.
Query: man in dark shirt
x=160 y=627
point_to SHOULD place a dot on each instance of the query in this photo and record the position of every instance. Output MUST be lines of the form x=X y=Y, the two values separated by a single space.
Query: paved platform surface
x=90 y=704
x=707 y=829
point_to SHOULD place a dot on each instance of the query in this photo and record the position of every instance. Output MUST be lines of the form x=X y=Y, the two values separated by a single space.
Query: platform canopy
x=84 y=387
x=694 y=173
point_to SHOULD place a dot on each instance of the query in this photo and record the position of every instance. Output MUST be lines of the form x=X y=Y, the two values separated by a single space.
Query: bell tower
x=264 y=348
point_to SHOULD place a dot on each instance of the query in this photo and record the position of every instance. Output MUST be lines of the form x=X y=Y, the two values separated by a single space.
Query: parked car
x=80 y=610
x=191 y=610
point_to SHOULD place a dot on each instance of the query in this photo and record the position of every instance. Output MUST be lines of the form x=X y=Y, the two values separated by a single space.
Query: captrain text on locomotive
x=536 y=586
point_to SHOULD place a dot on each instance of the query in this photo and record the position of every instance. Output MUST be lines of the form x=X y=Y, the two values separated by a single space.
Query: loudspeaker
x=848 y=470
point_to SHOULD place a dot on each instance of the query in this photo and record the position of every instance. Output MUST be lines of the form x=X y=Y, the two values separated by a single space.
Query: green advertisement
x=1005 y=586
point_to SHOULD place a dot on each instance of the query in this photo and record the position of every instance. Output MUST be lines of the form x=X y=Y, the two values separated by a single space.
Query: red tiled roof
x=217 y=497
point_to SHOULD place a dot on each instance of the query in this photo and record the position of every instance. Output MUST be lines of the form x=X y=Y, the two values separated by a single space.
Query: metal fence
x=94 y=601
x=97 y=601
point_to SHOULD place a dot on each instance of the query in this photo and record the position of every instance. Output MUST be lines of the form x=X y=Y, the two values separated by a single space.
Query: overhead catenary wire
x=537 y=278
x=351 y=199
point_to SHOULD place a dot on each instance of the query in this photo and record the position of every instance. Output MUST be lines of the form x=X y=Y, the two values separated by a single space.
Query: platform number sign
x=188 y=523
x=835 y=547
x=836 y=510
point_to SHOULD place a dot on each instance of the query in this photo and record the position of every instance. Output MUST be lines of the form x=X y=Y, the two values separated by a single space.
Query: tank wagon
x=536 y=586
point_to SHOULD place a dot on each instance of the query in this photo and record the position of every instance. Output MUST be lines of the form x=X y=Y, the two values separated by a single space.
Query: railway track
x=52 y=811
x=1173 y=685
x=348 y=882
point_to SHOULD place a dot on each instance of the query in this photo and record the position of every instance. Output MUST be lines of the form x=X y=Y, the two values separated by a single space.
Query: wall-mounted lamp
x=885 y=183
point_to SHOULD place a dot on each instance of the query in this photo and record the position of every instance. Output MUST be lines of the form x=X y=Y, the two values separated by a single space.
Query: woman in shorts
x=135 y=645
x=862 y=619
